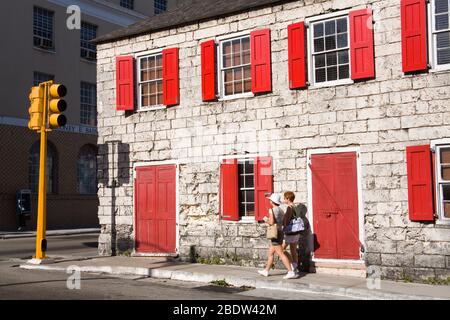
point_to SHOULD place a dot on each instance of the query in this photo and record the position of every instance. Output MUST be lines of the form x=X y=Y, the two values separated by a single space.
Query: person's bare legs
x=294 y=253
x=283 y=257
x=285 y=252
x=270 y=258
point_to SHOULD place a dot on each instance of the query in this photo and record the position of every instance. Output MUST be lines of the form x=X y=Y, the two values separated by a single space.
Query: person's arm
x=271 y=218
x=287 y=216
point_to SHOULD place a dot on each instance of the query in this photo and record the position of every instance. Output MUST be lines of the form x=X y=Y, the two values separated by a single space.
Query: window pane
x=240 y=168
x=144 y=63
x=445 y=155
x=250 y=209
x=341 y=25
x=227 y=61
x=247 y=72
x=248 y=166
x=145 y=101
x=228 y=75
x=237 y=74
x=343 y=57
x=446 y=192
x=441 y=21
x=342 y=40
x=250 y=196
x=320 y=60
x=320 y=75
x=227 y=48
x=249 y=181
x=160 y=98
x=331 y=59
x=318 y=30
x=241 y=181
x=236 y=59
x=447 y=209
x=238 y=87
x=247 y=85
x=441 y=6
x=344 y=72
x=236 y=46
x=151 y=62
x=242 y=209
x=152 y=74
x=245 y=44
x=446 y=173
x=153 y=88
x=330 y=43
x=330 y=27
x=160 y=86
x=229 y=88
x=319 y=45
x=246 y=57
x=145 y=76
x=159 y=73
x=153 y=101
x=332 y=74
x=443 y=56
x=145 y=89
x=443 y=40
x=158 y=61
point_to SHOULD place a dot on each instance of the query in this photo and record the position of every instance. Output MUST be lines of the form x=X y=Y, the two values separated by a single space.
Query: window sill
x=52 y=51
x=88 y=61
x=439 y=69
x=154 y=108
x=237 y=96
x=247 y=220
x=443 y=223
x=331 y=84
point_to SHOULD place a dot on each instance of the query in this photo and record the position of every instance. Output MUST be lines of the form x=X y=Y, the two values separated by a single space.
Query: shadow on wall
x=113 y=172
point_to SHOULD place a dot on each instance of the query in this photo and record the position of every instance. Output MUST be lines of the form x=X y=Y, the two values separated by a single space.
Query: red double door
x=335 y=205
x=155 y=208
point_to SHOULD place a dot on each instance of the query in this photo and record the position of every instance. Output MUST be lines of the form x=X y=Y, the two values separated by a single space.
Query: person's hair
x=289 y=195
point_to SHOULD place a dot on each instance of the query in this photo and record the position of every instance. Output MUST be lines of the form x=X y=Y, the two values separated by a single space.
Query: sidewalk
x=32 y=234
x=167 y=268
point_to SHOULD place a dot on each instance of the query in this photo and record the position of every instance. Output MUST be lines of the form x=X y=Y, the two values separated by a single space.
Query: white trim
x=220 y=80
x=432 y=45
x=138 y=58
x=343 y=261
x=438 y=187
x=310 y=213
x=241 y=156
x=310 y=44
x=177 y=206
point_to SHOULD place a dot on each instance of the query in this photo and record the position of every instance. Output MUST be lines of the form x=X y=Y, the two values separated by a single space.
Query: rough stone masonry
x=381 y=117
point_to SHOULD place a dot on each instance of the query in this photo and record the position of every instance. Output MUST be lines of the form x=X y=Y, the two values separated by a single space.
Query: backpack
x=296 y=225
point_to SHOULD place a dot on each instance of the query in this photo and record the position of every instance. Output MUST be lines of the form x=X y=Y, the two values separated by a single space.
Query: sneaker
x=264 y=273
x=290 y=275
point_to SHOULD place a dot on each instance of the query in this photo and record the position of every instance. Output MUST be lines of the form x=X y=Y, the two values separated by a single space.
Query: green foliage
x=221 y=283
x=437 y=281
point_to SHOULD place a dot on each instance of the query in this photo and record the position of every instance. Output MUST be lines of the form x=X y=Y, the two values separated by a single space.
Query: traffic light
x=36 y=109
x=57 y=105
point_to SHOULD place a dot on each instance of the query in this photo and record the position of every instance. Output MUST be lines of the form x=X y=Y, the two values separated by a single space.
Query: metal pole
x=41 y=242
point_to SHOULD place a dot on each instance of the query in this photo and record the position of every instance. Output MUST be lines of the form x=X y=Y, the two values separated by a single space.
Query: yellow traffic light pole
x=44 y=116
x=41 y=242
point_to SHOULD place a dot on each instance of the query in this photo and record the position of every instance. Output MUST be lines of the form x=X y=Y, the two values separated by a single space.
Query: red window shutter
x=420 y=190
x=414 y=35
x=361 y=44
x=125 y=83
x=261 y=61
x=209 y=70
x=229 y=201
x=171 y=81
x=296 y=53
x=263 y=186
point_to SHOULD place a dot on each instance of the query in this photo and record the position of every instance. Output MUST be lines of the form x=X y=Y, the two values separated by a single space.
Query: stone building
x=205 y=109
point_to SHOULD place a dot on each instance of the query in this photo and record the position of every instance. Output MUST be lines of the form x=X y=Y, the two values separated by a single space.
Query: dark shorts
x=278 y=241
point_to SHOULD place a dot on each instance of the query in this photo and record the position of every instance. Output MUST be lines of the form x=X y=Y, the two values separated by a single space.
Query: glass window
x=443 y=175
x=150 y=81
x=129 y=4
x=330 y=50
x=88 y=106
x=87 y=170
x=236 y=66
x=88 y=49
x=160 y=6
x=33 y=168
x=246 y=187
x=39 y=77
x=43 y=28
x=441 y=31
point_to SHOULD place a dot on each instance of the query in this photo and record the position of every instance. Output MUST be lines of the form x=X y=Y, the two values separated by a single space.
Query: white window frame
x=87 y=50
x=244 y=214
x=436 y=147
x=138 y=58
x=432 y=45
x=87 y=108
x=310 y=43
x=220 y=75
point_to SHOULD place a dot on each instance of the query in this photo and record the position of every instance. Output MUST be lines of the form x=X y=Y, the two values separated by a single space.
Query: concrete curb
x=32 y=234
x=355 y=293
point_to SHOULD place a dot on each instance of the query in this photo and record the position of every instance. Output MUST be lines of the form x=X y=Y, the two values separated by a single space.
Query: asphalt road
x=70 y=245
x=21 y=284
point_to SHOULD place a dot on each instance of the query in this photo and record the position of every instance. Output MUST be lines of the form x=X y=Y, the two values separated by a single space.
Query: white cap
x=275 y=198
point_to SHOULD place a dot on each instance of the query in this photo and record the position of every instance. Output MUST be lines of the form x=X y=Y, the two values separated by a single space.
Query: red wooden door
x=155 y=209
x=335 y=205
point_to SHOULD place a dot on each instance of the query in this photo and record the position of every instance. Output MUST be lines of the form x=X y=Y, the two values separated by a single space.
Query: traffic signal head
x=36 y=109
x=56 y=106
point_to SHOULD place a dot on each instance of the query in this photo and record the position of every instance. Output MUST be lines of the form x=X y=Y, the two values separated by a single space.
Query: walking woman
x=276 y=216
